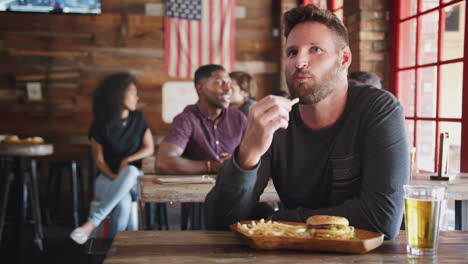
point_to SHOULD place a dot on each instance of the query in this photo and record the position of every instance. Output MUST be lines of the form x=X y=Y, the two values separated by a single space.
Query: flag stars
x=184 y=9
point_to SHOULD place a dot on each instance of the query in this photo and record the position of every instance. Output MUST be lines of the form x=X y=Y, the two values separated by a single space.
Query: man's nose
x=302 y=61
x=227 y=86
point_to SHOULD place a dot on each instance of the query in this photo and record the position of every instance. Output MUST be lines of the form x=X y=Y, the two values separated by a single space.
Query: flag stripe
x=173 y=51
x=232 y=34
x=184 y=48
x=194 y=46
x=221 y=33
x=226 y=35
x=210 y=29
x=200 y=43
x=217 y=32
x=179 y=47
x=205 y=34
x=189 y=48
x=167 y=43
x=197 y=35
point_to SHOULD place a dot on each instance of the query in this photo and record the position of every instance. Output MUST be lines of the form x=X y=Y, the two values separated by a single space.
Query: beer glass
x=422 y=218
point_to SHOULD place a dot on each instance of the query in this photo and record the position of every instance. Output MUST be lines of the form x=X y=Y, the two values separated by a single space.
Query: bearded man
x=341 y=151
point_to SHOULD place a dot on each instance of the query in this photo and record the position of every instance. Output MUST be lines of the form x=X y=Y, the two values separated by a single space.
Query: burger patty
x=326 y=226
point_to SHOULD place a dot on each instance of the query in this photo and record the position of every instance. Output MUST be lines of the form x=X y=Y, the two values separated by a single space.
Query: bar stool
x=56 y=172
x=21 y=166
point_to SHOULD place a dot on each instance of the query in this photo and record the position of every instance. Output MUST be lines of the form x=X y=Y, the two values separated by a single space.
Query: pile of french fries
x=270 y=228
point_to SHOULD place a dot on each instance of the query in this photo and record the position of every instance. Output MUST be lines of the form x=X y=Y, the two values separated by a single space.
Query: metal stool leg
x=74 y=189
x=23 y=205
x=58 y=184
x=82 y=196
x=141 y=208
x=458 y=215
x=149 y=212
x=196 y=216
x=158 y=215
x=6 y=191
x=184 y=215
x=164 y=214
x=48 y=207
x=36 y=208
x=91 y=175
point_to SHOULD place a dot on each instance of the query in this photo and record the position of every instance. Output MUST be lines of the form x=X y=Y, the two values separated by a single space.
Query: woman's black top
x=120 y=140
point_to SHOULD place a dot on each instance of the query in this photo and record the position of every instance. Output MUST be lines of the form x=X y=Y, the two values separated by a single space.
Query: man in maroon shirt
x=205 y=134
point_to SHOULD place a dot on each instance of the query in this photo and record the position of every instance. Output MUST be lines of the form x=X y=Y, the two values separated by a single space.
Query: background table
x=189 y=194
x=457 y=190
x=153 y=191
x=224 y=247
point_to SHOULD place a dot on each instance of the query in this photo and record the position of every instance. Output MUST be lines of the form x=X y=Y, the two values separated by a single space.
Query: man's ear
x=346 y=57
x=199 y=88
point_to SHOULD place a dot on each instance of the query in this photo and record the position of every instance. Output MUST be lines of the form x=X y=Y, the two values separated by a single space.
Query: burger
x=327 y=226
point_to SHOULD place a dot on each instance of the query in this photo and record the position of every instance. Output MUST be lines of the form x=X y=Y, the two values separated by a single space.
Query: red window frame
x=397 y=55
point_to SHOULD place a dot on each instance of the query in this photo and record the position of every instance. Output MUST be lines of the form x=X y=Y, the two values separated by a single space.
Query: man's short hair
x=366 y=78
x=245 y=82
x=311 y=13
x=205 y=72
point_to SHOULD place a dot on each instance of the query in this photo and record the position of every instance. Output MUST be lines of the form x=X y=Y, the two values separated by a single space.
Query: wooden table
x=224 y=247
x=25 y=171
x=457 y=190
x=153 y=191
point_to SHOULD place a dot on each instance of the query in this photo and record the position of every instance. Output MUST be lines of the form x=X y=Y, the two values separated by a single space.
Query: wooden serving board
x=365 y=242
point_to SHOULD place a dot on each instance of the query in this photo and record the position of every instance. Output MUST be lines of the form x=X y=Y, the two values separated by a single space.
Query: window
x=428 y=76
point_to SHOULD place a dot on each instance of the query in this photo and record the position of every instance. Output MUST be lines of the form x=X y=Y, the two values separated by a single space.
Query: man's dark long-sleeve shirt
x=355 y=169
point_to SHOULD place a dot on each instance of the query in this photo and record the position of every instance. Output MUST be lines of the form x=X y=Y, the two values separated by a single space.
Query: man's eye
x=317 y=50
x=292 y=53
x=222 y=82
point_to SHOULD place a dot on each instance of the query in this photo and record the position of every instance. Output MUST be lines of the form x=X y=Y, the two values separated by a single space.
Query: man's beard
x=213 y=101
x=316 y=91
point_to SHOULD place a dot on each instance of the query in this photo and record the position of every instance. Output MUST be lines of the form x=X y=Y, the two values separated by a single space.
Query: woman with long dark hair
x=120 y=139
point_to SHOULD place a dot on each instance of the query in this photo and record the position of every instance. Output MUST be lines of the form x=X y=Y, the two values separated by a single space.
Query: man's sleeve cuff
x=254 y=170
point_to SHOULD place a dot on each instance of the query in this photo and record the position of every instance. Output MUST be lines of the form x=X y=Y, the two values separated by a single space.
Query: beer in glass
x=422 y=218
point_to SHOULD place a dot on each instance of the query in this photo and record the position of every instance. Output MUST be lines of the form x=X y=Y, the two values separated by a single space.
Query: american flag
x=319 y=3
x=198 y=32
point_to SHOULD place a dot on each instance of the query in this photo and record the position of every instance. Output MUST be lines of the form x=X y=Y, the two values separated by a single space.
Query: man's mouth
x=225 y=97
x=301 y=77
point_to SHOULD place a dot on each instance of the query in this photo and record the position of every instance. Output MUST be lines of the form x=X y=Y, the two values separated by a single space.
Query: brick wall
x=368 y=23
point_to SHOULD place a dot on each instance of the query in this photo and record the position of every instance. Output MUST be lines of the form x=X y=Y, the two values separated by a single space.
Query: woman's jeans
x=115 y=199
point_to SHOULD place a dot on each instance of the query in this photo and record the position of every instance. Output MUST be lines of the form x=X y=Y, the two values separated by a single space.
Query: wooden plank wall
x=79 y=50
